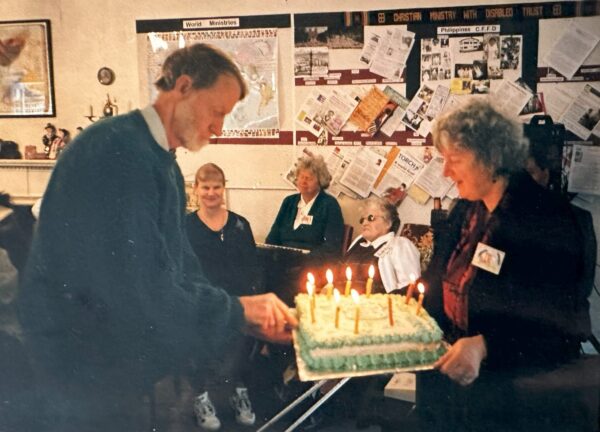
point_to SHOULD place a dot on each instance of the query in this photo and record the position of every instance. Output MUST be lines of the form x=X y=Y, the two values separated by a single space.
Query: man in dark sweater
x=113 y=297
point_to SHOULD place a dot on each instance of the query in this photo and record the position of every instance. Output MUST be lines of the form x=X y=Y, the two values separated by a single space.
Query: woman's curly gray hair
x=316 y=165
x=496 y=139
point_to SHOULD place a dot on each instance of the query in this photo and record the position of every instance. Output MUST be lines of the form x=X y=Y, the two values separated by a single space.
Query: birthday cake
x=380 y=336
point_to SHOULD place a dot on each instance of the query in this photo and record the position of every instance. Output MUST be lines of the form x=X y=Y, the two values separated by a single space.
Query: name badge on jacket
x=306 y=220
x=488 y=258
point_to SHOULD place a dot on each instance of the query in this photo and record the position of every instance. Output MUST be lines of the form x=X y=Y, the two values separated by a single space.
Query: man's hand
x=268 y=318
x=280 y=335
x=462 y=361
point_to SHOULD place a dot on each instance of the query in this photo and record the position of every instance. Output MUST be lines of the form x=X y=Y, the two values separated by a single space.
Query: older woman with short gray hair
x=394 y=257
x=310 y=219
x=317 y=166
x=496 y=140
x=501 y=282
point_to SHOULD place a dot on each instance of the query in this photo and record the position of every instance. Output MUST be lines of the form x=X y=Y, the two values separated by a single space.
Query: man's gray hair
x=201 y=62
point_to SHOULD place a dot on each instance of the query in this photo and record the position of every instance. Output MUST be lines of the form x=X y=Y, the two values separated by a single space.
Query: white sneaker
x=242 y=407
x=206 y=415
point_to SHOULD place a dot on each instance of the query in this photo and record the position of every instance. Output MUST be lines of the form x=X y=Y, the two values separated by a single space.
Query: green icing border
x=367 y=361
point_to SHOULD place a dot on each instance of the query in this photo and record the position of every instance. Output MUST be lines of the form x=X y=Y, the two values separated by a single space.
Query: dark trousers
x=497 y=402
x=17 y=391
x=75 y=391
x=104 y=402
x=232 y=367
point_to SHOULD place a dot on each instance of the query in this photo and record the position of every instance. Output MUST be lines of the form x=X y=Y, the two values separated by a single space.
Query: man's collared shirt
x=157 y=130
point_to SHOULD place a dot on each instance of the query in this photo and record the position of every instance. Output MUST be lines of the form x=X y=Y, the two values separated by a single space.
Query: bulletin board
x=363 y=88
x=253 y=44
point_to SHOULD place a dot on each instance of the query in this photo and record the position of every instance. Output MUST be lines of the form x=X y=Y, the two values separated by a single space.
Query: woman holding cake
x=394 y=257
x=501 y=283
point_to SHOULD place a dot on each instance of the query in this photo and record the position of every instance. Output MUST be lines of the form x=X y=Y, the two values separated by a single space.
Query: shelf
x=27 y=163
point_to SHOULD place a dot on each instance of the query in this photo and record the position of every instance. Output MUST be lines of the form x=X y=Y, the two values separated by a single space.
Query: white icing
x=373 y=320
x=373 y=349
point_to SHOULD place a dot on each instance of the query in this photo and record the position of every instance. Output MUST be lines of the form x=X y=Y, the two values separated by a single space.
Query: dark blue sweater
x=112 y=282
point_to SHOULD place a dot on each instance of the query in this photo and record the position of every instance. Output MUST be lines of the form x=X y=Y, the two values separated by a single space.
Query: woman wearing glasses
x=394 y=257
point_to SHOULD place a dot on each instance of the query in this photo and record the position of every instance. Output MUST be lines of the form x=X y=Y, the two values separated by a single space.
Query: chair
x=422 y=237
x=347 y=238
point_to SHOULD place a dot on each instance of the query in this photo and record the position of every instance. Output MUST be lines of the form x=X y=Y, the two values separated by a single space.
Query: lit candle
x=311 y=298
x=411 y=287
x=390 y=311
x=355 y=297
x=336 y=296
x=348 y=281
x=421 y=289
x=370 y=280
x=329 y=286
x=310 y=278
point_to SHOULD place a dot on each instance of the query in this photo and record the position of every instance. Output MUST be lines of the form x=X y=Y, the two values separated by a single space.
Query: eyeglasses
x=369 y=218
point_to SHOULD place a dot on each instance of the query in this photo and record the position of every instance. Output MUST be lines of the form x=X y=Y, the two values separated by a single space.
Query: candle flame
x=329 y=276
x=310 y=278
x=336 y=295
x=371 y=271
x=348 y=273
x=354 y=295
x=421 y=287
x=412 y=278
x=309 y=288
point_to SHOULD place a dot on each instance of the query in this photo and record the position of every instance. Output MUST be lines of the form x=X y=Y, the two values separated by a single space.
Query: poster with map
x=255 y=53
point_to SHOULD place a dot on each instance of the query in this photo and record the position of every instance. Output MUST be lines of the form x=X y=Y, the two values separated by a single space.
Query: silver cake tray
x=306 y=374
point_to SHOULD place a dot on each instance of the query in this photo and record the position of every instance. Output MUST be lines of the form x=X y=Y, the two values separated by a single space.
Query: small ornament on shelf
x=110 y=108
x=91 y=117
x=48 y=137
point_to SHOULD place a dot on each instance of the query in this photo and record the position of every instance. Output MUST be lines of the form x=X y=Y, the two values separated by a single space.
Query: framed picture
x=106 y=76
x=26 y=80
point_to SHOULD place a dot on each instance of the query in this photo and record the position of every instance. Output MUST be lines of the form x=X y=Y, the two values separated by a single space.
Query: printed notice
x=584 y=176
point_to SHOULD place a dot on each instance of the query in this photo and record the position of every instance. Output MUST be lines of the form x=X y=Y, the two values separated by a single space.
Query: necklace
x=218 y=225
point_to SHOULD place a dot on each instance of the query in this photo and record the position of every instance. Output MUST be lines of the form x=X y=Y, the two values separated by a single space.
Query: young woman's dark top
x=228 y=256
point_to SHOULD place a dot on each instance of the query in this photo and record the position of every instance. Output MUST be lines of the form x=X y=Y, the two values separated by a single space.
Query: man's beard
x=195 y=145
